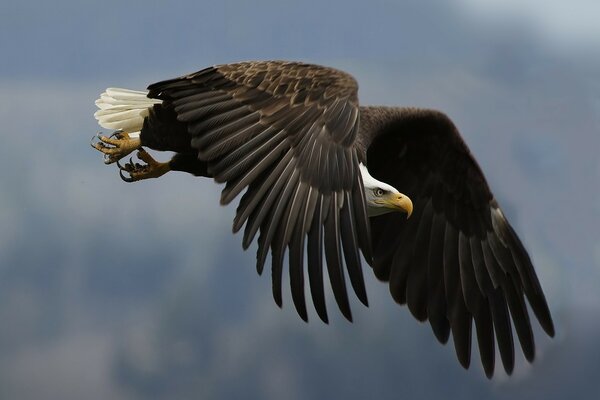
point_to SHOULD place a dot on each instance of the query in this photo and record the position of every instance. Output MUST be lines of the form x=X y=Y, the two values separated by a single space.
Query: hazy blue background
x=117 y=291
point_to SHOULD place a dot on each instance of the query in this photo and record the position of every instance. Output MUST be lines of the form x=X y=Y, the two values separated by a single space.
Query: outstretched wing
x=457 y=259
x=284 y=132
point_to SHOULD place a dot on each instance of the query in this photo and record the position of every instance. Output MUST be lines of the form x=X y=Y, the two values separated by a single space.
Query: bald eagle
x=321 y=178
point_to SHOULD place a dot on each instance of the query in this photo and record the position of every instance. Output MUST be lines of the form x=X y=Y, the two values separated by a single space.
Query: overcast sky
x=109 y=290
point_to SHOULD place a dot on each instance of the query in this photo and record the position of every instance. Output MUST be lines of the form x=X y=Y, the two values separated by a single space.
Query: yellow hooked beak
x=399 y=202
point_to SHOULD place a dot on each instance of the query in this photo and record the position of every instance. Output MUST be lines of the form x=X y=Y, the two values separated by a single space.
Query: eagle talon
x=115 y=147
x=138 y=171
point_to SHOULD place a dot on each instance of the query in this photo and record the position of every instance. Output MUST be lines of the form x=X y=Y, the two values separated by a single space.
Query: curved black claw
x=127 y=169
x=118 y=134
x=125 y=178
x=94 y=137
x=97 y=143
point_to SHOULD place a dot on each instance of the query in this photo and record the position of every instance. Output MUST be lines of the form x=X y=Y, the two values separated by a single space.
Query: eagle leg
x=132 y=172
x=117 y=146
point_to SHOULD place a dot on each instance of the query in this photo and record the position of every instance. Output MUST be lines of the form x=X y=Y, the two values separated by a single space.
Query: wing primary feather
x=461 y=325
x=315 y=163
x=479 y=266
x=307 y=154
x=458 y=315
x=503 y=328
x=491 y=264
x=257 y=222
x=315 y=260
x=271 y=226
x=451 y=268
x=297 y=247
x=351 y=133
x=293 y=212
x=334 y=261
x=386 y=240
x=360 y=212
x=248 y=197
x=276 y=276
x=533 y=289
x=334 y=115
x=403 y=257
x=484 y=316
x=297 y=273
x=306 y=142
x=485 y=338
x=311 y=203
x=470 y=290
x=344 y=124
x=300 y=124
x=436 y=306
x=351 y=255
x=271 y=223
x=522 y=261
x=514 y=296
x=296 y=244
x=344 y=160
x=502 y=255
x=323 y=178
x=416 y=286
x=399 y=269
x=332 y=180
x=518 y=310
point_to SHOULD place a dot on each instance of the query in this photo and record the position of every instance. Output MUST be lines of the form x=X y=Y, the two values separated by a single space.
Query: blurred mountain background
x=110 y=290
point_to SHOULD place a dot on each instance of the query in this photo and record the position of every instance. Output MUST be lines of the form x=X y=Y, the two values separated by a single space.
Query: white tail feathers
x=123 y=109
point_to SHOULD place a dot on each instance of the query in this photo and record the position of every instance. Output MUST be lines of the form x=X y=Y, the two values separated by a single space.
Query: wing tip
x=323 y=317
x=489 y=371
x=547 y=324
x=347 y=313
x=303 y=315
x=362 y=296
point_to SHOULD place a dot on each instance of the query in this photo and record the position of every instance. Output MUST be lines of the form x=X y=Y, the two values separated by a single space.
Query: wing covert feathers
x=283 y=134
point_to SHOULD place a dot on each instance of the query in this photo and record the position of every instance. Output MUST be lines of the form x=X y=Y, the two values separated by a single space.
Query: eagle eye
x=378 y=192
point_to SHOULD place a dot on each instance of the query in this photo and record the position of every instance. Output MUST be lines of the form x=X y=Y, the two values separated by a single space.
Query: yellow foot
x=117 y=146
x=137 y=172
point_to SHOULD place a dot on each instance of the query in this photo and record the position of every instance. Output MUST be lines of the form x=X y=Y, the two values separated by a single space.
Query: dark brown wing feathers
x=283 y=133
x=457 y=259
